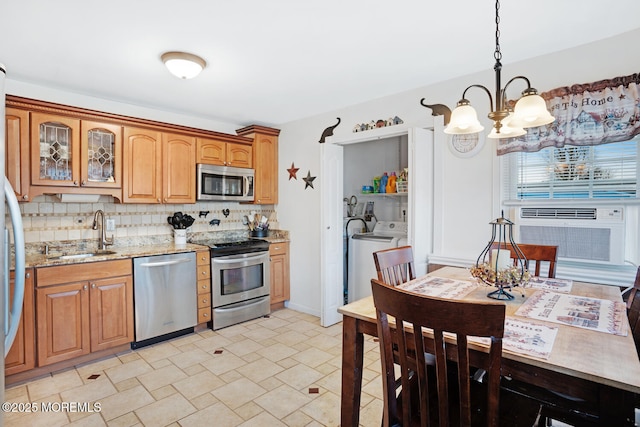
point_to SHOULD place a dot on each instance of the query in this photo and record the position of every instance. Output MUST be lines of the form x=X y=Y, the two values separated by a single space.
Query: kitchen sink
x=82 y=255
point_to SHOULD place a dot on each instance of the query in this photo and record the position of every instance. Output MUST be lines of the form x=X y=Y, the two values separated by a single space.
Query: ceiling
x=272 y=62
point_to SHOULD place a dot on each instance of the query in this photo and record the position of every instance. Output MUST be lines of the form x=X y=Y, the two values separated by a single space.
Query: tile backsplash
x=46 y=219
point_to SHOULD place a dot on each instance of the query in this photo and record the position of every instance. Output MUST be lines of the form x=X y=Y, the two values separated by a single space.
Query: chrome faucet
x=103 y=241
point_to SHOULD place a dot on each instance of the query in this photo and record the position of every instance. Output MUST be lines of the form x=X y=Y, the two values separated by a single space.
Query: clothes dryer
x=362 y=268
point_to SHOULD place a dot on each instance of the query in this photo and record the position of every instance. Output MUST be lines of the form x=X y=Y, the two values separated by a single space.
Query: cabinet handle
x=85 y=287
x=93 y=285
x=83 y=183
x=25 y=197
x=204 y=286
x=204 y=273
x=75 y=182
x=27 y=275
x=204 y=300
x=205 y=315
x=158 y=199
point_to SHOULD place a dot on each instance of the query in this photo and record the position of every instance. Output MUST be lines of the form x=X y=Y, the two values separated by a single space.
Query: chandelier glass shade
x=529 y=111
x=183 y=65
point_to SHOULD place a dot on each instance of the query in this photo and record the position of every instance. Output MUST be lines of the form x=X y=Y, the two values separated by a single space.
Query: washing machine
x=362 y=268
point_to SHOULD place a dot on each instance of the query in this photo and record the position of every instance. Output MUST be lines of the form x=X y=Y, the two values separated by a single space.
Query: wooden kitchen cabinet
x=215 y=152
x=83 y=308
x=265 y=162
x=203 y=262
x=17 y=151
x=55 y=150
x=279 y=256
x=158 y=168
x=100 y=155
x=22 y=356
x=179 y=172
x=75 y=156
x=111 y=312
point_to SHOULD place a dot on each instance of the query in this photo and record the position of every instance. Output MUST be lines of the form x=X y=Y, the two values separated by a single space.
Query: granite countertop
x=123 y=252
x=130 y=249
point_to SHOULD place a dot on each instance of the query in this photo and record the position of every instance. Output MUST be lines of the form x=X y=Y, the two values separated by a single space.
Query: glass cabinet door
x=54 y=150
x=101 y=154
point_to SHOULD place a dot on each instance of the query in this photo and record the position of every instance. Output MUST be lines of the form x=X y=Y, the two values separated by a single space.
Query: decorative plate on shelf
x=467 y=145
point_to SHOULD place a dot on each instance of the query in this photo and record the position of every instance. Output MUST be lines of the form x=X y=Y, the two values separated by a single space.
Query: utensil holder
x=259 y=232
x=180 y=236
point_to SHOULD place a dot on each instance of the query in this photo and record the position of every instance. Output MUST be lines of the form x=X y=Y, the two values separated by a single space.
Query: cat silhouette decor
x=328 y=132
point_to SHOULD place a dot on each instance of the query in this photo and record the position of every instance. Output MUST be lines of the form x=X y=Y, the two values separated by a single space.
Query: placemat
x=550 y=284
x=582 y=312
x=440 y=287
x=521 y=337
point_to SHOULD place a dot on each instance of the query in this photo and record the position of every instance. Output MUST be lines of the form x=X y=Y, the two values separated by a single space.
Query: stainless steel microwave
x=225 y=183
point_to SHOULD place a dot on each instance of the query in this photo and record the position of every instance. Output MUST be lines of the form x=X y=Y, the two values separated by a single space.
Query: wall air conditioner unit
x=594 y=235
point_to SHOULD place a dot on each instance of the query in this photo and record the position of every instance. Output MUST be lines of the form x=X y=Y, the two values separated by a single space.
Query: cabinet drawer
x=203 y=257
x=59 y=274
x=278 y=248
x=204 y=301
x=204 y=286
x=204 y=314
x=204 y=272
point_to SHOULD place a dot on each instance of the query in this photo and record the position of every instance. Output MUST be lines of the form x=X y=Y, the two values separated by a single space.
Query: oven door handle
x=163 y=263
x=236 y=260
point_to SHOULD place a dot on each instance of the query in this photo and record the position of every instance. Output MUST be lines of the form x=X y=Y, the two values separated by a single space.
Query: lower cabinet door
x=111 y=302
x=63 y=322
x=22 y=356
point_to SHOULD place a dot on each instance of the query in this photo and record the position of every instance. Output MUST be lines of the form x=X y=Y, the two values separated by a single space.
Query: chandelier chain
x=497 y=54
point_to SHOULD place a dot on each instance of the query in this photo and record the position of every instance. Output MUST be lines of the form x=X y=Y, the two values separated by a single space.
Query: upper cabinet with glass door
x=55 y=150
x=79 y=154
x=100 y=154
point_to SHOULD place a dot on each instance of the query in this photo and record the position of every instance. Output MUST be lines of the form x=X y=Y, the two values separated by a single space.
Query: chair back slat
x=462 y=318
x=539 y=253
x=395 y=265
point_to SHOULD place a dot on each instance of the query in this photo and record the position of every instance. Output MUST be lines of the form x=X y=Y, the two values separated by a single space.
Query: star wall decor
x=292 y=172
x=308 y=180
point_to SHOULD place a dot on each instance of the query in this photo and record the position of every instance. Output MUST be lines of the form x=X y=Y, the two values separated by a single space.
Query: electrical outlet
x=111 y=224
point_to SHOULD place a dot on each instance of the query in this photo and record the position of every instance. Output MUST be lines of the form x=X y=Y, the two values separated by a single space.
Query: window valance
x=586 y=114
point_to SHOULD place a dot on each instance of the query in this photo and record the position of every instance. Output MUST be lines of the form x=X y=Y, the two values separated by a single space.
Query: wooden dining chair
x=395 y=265
x=633 y=310
x=446 y=399
x=539 y=253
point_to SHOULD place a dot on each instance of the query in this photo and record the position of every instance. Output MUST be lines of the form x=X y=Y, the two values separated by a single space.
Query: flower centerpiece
x=502 y=263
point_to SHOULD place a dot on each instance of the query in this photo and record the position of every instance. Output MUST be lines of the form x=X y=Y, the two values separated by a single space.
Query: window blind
x=607 y=171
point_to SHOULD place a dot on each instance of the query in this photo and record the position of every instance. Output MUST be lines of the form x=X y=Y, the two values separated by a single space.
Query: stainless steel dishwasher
x=165 y=297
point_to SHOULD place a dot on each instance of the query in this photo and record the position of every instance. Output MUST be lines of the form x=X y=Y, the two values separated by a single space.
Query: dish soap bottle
x=391 y=183
x=383 y=183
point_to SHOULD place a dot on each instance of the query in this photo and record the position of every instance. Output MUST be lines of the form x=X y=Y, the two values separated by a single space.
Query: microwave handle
x=248 y=185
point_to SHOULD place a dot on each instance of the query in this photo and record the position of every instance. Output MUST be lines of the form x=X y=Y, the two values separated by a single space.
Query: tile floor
x=283 y=370
x=278 y=371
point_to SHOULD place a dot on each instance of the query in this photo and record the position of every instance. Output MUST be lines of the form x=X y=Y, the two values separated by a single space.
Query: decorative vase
x=180 y=236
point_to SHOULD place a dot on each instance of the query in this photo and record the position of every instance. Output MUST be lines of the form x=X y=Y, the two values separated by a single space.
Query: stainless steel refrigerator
x=10 y=308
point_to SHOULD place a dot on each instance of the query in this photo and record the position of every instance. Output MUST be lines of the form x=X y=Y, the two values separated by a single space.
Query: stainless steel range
x=240 y=282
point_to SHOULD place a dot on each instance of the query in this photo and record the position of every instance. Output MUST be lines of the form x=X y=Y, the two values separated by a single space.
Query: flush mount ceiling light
x=529 y=111
x=183 y=65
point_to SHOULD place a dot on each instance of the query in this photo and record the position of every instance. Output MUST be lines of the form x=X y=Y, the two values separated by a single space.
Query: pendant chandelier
x=529 y=111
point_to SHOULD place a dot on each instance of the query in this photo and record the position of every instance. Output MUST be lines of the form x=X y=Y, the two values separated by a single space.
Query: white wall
x=466 y=193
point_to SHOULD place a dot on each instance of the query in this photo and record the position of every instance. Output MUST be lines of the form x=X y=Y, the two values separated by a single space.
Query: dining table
x=600 y=368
